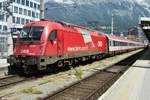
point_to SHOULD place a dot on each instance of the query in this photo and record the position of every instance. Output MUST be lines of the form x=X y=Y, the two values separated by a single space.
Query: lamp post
x=112 y=24
x=117 y=12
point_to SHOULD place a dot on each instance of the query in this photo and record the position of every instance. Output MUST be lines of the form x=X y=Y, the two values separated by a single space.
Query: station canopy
x=145 y=25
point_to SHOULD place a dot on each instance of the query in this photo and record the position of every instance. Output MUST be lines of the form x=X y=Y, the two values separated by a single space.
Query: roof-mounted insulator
x=71 y=25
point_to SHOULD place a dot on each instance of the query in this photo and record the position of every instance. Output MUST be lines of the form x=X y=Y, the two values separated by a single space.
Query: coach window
x=53 y=35
x=110 y=43
x=115 y=43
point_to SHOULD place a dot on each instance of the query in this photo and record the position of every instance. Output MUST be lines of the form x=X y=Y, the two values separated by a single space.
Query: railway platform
x=3 y=63
x=134 y=84
x=3 y=66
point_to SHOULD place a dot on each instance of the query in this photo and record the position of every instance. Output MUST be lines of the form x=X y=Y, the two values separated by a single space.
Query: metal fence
x=6 y=45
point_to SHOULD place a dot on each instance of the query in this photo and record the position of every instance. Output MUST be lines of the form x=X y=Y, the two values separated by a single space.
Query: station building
x=23 y=11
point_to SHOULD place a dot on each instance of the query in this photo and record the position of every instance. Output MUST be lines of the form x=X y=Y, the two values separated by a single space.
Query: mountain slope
x=126 y=12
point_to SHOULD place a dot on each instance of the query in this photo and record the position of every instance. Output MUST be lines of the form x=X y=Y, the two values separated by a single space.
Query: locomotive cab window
x=31 y=33
x=53 y=35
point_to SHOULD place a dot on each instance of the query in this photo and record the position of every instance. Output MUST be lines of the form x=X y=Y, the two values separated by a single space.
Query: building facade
x=23 y=11
x=13 y=15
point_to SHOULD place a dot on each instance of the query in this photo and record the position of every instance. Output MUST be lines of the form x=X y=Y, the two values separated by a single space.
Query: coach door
x=60 y=44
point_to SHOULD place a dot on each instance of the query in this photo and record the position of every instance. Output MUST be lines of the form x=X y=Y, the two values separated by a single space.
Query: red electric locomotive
x=44 y=43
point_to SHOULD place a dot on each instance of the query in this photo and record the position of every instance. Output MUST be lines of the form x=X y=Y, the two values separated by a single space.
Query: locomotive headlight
x=100 y=44
x=54 y=42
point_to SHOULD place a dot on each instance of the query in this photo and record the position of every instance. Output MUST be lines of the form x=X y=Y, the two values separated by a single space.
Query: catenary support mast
x=41 y=9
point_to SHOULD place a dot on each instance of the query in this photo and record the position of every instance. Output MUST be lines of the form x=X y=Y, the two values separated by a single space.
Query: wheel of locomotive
x=60 y=63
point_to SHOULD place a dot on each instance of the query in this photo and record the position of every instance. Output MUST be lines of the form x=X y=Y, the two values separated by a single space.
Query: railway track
x=95 y=85
x=12 y=80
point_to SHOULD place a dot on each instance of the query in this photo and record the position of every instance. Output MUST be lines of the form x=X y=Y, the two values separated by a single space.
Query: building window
x=27 y=3
x=22 y=21
x=18 y=20
x=37 y=15
x=14 y=20
x=7 y=16
x=15 y=9
x=2 y=17
x=0 y=27
x=33 y=14
x=13 y=0
x=0 y=5
x=25 y=12
x=18 y=1
x=31 y=4
x=4 y=28
x=34 y=5
x=38 y=7
x=20 y=10
x=23 y=2
x=29 y=13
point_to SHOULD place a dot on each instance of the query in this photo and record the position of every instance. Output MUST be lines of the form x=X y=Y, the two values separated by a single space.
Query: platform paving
x=134 y=84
